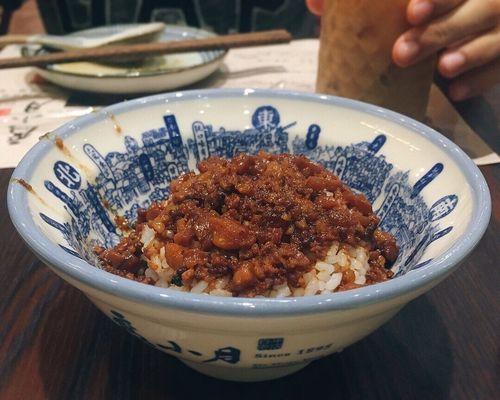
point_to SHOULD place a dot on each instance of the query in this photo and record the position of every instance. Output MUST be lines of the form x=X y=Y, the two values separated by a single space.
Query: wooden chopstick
x=150 y=49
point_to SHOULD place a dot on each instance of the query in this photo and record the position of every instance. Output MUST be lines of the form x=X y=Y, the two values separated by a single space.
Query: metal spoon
x=120 y=34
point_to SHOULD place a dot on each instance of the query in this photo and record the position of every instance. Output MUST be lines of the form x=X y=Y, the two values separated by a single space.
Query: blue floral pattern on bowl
x=133 y=179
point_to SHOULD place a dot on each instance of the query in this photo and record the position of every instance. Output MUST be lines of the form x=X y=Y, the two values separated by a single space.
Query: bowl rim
x=97 y=279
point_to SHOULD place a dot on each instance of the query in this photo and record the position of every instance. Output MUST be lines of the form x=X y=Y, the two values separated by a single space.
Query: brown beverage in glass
x=355 y=60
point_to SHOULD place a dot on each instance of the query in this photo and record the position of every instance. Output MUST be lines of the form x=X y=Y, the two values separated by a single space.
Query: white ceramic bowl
x=427 y=192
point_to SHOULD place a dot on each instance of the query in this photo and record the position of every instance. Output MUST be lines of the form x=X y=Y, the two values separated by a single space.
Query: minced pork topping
x=259 y=221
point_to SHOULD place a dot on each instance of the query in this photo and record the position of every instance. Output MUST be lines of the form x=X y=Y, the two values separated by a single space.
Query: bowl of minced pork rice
x=263 y=225
x=248 y=232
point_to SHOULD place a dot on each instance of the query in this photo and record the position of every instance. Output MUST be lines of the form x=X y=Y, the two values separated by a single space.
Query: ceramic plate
x=153 y=75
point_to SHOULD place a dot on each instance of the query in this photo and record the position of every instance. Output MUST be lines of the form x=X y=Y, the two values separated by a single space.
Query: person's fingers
x=315 y=6
x=422 y=11
x=475 y=82
x=470 y=18
x=475 y=53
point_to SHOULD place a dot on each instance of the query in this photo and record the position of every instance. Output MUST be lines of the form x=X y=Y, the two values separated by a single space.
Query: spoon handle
x=13 y=39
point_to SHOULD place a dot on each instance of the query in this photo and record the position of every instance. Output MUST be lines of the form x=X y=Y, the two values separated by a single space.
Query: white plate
x=154 y=75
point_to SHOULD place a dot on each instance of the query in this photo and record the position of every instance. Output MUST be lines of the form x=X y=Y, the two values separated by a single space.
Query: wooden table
x=54 y=344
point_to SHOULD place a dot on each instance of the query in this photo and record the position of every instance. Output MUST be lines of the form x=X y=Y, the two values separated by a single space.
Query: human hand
x=315 y=6
x=466 y=33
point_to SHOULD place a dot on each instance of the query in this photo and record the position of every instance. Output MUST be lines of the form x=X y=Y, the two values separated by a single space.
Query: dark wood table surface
x=54 y=344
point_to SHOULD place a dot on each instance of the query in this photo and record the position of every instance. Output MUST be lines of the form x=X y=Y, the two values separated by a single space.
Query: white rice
x=199 y=287
x=147 y=236
x=324 y=278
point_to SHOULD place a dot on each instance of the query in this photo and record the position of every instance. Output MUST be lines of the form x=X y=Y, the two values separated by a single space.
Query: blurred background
x=220 y=16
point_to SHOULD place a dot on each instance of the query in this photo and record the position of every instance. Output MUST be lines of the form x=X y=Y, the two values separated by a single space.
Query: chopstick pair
x=150 y=49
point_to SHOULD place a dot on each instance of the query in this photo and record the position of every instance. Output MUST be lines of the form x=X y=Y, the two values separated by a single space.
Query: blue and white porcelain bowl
x=427 y=192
